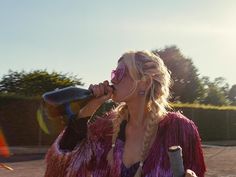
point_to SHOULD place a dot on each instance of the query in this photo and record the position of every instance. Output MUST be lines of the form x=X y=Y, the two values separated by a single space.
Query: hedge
x=19 y=123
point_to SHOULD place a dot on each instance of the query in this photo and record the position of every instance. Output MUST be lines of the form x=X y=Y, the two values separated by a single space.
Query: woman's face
x=123 y=83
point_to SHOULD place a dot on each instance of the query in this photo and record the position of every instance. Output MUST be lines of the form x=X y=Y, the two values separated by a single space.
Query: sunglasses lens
x=113 y=74
x=118 y=74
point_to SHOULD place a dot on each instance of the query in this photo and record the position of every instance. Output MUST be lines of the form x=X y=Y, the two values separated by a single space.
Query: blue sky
x=87 y=37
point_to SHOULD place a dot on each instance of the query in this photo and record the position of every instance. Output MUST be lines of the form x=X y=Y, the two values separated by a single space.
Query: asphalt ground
x=220 y=161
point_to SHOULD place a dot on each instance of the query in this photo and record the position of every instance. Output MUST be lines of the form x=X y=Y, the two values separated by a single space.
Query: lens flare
x=50 y=125
x=41 y=122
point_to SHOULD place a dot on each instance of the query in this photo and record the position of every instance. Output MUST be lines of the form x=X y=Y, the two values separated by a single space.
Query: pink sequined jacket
x=81 y=151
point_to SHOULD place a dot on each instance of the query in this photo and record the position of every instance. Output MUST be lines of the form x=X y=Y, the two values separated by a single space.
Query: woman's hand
x=190 y=173
x=102 y=92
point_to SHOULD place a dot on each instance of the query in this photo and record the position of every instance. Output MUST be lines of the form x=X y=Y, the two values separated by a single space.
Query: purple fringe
x=89 y=157
x=57 y=161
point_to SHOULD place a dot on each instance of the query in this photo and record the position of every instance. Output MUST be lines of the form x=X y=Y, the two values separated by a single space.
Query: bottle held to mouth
x=66 y=101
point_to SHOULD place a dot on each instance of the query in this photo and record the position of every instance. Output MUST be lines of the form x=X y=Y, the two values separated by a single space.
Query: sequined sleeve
x=184 y=132
x=82 y=152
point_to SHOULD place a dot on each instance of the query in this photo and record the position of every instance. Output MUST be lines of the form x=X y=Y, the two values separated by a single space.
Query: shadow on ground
x=22 y=157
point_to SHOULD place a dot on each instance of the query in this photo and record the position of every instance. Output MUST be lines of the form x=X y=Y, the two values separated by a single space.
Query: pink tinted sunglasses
x=118 y=74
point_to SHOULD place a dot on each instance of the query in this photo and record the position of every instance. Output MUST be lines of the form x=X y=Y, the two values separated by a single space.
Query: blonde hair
x=141 y=64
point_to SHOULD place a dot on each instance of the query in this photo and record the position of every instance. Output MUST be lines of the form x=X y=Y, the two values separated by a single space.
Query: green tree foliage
x=35 y=83
x=216 y=92
x=232 y=95
x=186 y=83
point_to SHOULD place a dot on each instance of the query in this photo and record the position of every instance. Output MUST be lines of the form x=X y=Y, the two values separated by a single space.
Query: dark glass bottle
x=66 y=102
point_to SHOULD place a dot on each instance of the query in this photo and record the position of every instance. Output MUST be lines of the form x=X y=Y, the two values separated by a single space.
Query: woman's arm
x=74 y=150
x=190 y=173
x=75 y=132
x=191 y=144
x=81 y=147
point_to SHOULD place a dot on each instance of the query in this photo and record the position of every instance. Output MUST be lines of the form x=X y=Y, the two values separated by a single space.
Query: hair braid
x=152 y=122
x=158 y=97
x=122 y=113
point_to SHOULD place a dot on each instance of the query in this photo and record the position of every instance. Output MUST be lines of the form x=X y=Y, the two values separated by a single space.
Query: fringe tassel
x=57 y=161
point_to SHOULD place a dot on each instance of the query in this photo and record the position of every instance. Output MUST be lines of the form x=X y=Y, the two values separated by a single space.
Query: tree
x=232 y=95
x=35 y=83
x=186 y=84
x=221 y=83
x=215 y=92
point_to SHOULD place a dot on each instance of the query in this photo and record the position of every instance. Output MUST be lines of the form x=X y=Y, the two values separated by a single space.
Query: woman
x=132 y=139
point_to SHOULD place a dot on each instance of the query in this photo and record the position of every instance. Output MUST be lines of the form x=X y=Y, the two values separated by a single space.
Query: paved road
x=34 y=168
x=221 y=162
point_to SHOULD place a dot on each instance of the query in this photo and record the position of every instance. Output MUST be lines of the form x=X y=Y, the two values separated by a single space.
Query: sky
x=86 y=38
